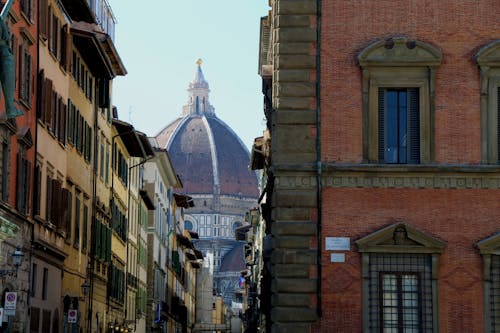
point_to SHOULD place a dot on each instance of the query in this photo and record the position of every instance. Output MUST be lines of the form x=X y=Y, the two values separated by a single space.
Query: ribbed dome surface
x=208 y=156
x=205 y=152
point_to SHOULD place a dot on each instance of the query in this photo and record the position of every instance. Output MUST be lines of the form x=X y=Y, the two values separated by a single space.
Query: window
x=399 y=126
x=84 y=227
x=491 y=282
x=45 y=282
x=25 y=73
x=27 y=9
x=23 y=182
x=4 y=163
x=398 y=86
x=33 y=280
x=488 y=60
x=399 y=266
x=76 y=240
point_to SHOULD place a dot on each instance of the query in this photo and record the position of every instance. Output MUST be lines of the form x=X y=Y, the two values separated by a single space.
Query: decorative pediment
x=489 y=55
x=24 y=136
x=399 y=51
x=490 y=245
x=400 y=238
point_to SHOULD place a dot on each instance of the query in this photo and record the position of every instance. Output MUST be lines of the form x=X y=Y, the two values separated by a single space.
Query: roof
x=233 y=261
x=132 y=139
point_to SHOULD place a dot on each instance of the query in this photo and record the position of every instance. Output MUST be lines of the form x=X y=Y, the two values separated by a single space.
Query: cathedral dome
x=206 y=153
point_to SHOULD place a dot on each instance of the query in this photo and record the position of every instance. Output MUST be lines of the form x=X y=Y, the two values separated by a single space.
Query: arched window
x=188 y=225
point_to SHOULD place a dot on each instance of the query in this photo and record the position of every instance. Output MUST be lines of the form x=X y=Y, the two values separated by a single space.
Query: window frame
x=488 y=60
x=398 y=63
x=488 y=248
x=385 y=241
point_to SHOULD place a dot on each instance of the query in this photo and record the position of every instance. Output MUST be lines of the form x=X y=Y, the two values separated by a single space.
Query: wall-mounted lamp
x=17 y=260
x=85 y=288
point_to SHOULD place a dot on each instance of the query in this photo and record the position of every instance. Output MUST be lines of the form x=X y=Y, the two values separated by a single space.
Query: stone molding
x=378 y=176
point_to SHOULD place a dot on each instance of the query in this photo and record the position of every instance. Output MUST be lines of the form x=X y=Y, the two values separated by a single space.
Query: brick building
x=383 y=177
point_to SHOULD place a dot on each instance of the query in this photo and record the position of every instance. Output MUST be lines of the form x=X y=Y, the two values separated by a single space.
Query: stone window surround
x=379 y=242
x=488 y=61
x=398 y=63
x=487 y=248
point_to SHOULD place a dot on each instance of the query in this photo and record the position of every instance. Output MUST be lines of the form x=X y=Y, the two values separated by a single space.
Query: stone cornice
x=389 y=176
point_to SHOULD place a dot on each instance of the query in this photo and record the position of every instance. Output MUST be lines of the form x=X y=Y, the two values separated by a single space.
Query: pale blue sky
x=159 y=42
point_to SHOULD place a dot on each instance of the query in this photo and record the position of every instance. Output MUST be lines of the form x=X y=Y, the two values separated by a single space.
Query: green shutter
x=498 y=122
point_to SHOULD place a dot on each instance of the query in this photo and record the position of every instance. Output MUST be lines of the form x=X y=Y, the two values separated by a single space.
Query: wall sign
x=337 y=243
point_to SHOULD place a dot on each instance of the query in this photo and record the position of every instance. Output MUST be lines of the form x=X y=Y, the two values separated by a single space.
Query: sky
x=159 y=44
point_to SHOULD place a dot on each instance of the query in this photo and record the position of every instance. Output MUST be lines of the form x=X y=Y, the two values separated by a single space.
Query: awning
x=147 y=200
x=198 y=254
x=184 y=241
x=130 y=138
x=184 y=201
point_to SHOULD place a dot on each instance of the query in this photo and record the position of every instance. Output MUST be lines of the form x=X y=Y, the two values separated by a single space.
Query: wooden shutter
x=413 y=126
x=56 y=203
x=69 y=206
x=37 y=189
x=103 y=93
x=98 y=239
x=69 y=122
x=20 y=183
x=43 y=18
x=64 y=208
x=27 y=182
x=381 y=125
x=21 y=71
x=498 y=122
x=64 y=112
x=48 y=102
x=40 y=105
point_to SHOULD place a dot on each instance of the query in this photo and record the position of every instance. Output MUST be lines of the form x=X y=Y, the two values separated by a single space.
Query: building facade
x=383 y=173
x=17 y=154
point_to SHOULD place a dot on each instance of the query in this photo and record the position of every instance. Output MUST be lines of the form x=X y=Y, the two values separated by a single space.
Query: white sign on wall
x=337 y=243
x=337 y=257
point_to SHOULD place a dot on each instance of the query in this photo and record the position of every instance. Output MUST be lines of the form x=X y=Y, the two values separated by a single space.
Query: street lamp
x=17 y=260
x=85 y=288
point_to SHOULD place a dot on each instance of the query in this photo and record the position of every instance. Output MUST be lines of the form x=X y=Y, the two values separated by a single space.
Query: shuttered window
x=398 y=126
x=23 y=183
x=498 y=122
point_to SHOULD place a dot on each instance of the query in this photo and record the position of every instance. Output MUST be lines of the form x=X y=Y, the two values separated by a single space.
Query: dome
x=206 y=153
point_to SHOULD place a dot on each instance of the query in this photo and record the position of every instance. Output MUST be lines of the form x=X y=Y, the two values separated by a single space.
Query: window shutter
x=41 y=95
x=64 y=112
x=498 y=122
x=19 y=183
x=97 y=233
x=38 y=190
x=381 y=125
x=44 y=9
x=103 y=93
x=413 y=126
x=69 y=215
x=108 y=244
x=27 y=183
x=69 y=122
x=21 y=69
x=64 y=47
x=64 y=208
x=48 y=102
x=85 y=226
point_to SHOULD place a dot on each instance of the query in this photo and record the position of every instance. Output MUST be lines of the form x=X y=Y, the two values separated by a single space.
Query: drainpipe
x=318 y=156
